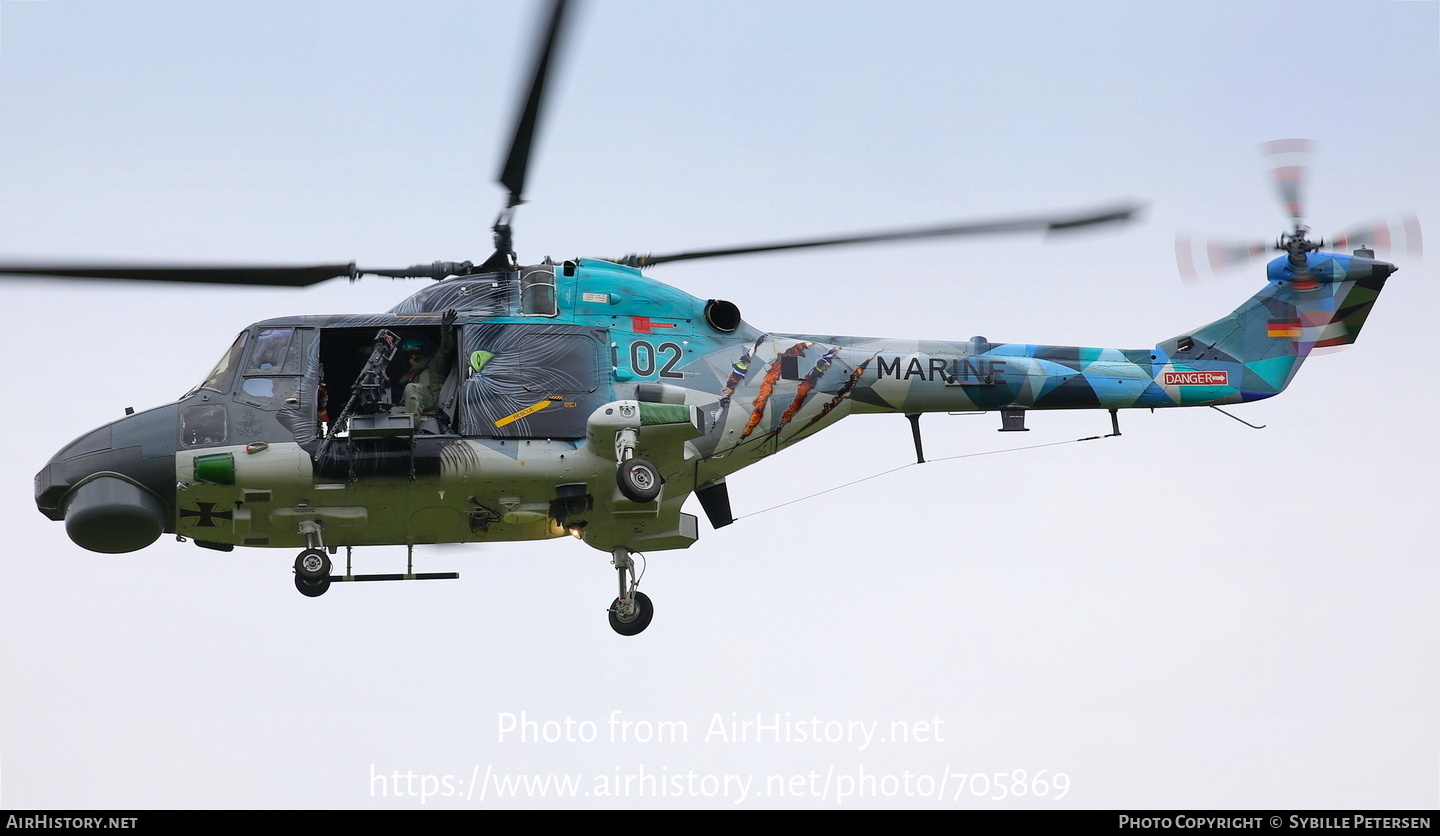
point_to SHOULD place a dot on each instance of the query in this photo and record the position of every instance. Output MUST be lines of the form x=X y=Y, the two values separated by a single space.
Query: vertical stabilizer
x=1257 y=349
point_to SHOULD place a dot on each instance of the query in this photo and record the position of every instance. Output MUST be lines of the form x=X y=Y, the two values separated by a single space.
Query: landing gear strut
x=639 y=480
x=312 y=566
x=631 y=612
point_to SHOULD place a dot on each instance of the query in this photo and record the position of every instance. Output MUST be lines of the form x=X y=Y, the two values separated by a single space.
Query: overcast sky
x=1195 y=614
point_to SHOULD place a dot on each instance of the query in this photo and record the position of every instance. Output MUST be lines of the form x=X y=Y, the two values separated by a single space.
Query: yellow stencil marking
x=529 y=410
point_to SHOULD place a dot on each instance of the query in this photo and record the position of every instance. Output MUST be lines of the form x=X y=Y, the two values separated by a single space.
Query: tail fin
x=1256 y=350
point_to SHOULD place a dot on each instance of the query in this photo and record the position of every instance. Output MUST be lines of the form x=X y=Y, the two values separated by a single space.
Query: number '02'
x=643 y=354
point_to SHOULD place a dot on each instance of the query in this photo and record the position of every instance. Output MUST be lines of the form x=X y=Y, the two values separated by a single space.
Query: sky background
x=1193 y=615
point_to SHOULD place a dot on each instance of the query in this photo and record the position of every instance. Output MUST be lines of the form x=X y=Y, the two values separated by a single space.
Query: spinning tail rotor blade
x=1032 y=224
x=1396 y=235
x=1288 y=161
x=1199 y=258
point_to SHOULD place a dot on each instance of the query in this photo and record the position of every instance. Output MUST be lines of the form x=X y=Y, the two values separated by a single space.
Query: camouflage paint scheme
x=538 y=399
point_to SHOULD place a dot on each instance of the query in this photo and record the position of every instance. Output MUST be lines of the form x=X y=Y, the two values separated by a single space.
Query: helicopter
x=585 y=398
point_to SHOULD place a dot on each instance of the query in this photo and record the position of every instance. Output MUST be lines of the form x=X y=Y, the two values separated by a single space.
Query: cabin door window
x=531 y=381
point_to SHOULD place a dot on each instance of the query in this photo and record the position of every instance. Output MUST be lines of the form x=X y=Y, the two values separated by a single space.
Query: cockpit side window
x=272 y=354
x=222 y=379
x=270 y=375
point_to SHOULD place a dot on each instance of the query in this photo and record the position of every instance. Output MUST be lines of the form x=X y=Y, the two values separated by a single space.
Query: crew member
x=427 y=372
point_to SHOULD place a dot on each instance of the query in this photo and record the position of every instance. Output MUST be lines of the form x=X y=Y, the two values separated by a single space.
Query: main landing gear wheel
x=312 y=589
x=639 y=480
x=312 y=565
x=629 y=617
x=312 y=573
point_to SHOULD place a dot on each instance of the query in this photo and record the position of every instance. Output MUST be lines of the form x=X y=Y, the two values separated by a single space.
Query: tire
x=644 y=611
x=312 y=589
x=639 y=480
x=312 y=565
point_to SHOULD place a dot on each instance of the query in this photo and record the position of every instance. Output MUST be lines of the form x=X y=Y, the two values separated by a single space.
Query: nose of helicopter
x=108 y=484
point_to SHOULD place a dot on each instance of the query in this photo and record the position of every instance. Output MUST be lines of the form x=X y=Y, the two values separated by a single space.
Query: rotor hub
x=1298 y=245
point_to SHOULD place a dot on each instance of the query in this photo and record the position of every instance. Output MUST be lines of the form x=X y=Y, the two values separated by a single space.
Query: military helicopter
x=510 y=401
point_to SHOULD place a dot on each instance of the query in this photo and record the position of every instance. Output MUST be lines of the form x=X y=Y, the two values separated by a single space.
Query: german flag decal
x=1283 y=328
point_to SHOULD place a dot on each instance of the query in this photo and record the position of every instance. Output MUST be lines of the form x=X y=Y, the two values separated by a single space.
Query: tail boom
x=1250 y=354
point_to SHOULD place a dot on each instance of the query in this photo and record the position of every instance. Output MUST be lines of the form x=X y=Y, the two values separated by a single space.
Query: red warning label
x=1197 y=378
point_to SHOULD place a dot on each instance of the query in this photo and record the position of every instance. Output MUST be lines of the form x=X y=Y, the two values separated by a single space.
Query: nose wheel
x=630 y=613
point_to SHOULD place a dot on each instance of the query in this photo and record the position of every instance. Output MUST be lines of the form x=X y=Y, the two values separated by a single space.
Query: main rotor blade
x=1033 y=224
x=257 y=276
x=512 y=175
x=261 y=276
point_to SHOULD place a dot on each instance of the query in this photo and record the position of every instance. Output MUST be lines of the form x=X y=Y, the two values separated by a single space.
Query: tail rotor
x=1288 y=163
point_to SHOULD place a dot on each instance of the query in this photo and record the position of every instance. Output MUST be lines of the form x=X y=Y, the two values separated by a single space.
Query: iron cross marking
x=206 y=515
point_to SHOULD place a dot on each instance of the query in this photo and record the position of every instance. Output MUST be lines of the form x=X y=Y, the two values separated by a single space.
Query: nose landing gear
x=630 y=614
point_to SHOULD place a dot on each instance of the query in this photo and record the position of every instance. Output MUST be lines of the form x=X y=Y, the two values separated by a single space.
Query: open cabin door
x=531 y=380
